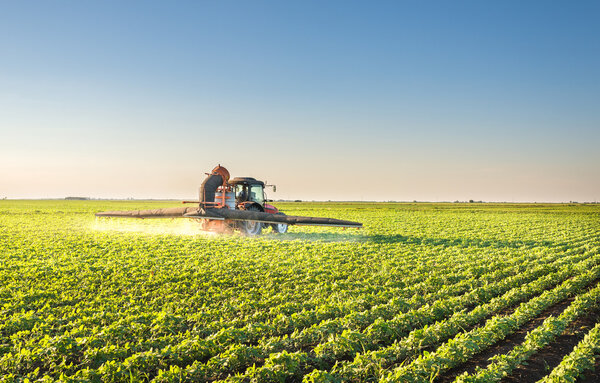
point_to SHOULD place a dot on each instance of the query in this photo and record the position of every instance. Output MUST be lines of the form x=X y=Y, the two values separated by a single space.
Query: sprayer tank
x=229 y=199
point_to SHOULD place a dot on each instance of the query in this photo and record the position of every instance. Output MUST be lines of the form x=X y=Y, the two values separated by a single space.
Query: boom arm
x=234 y=215
x=174 y=212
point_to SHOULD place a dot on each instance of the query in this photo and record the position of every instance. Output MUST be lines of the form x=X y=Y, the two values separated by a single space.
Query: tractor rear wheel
x=279 y=228
x=251 y=228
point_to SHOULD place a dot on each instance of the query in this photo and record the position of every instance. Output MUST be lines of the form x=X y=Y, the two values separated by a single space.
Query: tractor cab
x=248 y=189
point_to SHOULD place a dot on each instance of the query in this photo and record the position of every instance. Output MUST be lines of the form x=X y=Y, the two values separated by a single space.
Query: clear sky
x=341 y=100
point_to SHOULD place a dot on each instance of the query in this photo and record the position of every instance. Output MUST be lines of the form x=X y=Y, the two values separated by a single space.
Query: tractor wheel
x=280 y=228
x=251 y=228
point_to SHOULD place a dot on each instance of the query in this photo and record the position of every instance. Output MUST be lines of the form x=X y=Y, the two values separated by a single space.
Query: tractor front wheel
x=279 y=228
x=251 y=228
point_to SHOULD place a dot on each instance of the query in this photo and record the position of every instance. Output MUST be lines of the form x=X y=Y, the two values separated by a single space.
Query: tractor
x=238 y=204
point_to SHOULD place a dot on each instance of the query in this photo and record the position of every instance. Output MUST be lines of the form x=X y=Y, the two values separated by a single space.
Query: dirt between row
x=544 y=361
x=591 y=376
x=541 y=363
x=503 y=346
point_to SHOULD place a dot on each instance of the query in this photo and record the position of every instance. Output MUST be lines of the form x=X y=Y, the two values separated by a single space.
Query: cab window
x=256 y=194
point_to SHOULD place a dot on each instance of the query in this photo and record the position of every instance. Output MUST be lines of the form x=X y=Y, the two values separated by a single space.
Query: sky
x=334 y=100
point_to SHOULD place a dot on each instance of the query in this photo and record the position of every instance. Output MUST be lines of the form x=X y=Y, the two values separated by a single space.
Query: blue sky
x=425 y=100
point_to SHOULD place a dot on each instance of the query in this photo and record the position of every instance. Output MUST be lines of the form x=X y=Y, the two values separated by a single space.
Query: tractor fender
x=271 y=209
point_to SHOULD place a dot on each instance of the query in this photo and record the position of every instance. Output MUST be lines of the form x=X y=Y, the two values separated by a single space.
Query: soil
x=505 y=345
x=541 y=363
x=591 y=376
x=550 y=356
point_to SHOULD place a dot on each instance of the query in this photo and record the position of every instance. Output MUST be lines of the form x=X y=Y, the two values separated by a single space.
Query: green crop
x=421 y=289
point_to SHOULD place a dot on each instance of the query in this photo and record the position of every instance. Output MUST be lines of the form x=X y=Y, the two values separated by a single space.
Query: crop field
x=423 y=293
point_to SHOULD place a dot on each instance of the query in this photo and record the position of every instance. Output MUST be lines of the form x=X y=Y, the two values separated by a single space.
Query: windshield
x=256 y=194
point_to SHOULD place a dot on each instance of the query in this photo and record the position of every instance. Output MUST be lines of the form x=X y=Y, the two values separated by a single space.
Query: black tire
x=251 y=228
x=279 y=228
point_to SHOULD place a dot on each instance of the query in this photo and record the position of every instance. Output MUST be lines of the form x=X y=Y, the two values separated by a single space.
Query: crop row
x=337 y=341
x=348 y=344
x=105 y=344
x=93 y=351
x=580 y=360
x=381 y=332
x=194 y=348
x=541 y=336
x=462 y=347
x=275 y=307
x=371 y=364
